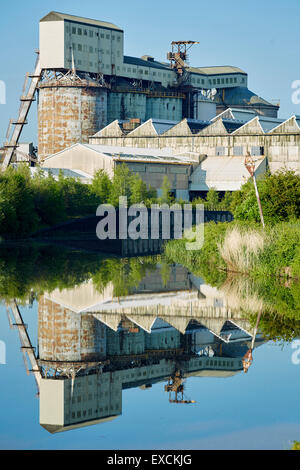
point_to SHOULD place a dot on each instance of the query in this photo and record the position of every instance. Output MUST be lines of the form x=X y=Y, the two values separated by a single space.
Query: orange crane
x=176 y=385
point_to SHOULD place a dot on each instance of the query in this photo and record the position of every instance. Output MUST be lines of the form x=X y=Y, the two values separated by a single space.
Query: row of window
x=90 y=33
x=239 y=151
x=90 y=411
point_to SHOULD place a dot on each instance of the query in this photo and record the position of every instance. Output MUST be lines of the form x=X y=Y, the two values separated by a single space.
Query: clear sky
x=261 y=37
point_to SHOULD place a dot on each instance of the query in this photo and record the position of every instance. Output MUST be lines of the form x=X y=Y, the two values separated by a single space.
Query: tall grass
x=241 y=248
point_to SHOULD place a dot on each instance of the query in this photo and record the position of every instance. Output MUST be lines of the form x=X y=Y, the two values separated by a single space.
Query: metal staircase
x=12 y=138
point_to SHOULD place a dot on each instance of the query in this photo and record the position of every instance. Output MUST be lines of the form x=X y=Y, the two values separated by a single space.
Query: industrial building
x=85 y=82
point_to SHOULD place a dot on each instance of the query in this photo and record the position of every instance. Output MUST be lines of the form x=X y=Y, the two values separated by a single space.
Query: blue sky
x=261 y=37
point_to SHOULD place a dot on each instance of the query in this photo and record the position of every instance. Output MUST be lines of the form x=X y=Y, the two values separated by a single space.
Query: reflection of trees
x=123 y=273
x=28 y=270
x=279 y=302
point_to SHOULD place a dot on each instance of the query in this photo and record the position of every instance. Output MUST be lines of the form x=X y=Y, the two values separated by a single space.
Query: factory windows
x=220 y=151
x=91 y=34
x=107 y=36
x=73 y=30
x=226 y=80
x=214 y=81
x=118 y=39
x=238 y=151
x=79 y=32
x=235 y=80
x=146 y=72
x=134 y=70
x=85 y=32
x=202 y=82
x=222 y=80
x=113 y=37
x=231 y=80
x=79 y=47
x=257 y=151
x=102 y=36
x=218 y=81
x=154 y=74
x=128 y=70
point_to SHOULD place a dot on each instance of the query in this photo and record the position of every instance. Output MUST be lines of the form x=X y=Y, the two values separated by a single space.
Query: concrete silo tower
x=75 y=53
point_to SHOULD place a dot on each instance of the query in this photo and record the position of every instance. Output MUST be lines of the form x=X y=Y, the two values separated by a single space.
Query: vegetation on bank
x=243 y=246
x=29 y=203
x=279 y=193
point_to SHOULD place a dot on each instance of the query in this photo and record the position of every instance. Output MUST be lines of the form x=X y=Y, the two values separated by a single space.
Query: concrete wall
x=281 y=150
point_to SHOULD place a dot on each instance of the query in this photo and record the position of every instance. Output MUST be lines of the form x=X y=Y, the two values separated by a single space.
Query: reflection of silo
x=65 y=336
x=69 y=111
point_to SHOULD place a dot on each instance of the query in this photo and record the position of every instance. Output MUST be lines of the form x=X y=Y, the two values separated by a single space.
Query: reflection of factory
x=86 y=359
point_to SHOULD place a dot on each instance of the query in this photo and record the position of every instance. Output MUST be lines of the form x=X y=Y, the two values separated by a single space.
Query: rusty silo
x=70 y=110
x=67 y=337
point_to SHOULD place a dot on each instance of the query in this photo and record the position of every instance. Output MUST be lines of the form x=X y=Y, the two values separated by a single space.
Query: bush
x=280 y=198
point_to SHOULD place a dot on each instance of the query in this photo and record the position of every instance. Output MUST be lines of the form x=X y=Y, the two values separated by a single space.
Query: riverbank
x=242 y=248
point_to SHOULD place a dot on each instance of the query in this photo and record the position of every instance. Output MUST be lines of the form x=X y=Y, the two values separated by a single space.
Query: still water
x=104 y=353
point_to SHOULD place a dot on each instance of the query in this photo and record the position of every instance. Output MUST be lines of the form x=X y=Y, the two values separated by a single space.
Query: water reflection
x=154 y=323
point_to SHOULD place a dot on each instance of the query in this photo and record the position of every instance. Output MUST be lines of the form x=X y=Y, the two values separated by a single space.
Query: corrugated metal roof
x=268 y=124
x=217 y=70
x=197 y=125
x=162 y=126
x=57 y=16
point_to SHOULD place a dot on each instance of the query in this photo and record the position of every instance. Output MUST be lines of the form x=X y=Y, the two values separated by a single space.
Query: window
x=73 y=30
x=91 y=34
x=85 y=32
x=107 y=36
x=235 y=79
x=91 y=49
x=257 y=151
x=220 y=151
x=79 y=47
x=79 y=32
x=102 y=36
x=238 y=151
x=118 y=39
x=113 y=38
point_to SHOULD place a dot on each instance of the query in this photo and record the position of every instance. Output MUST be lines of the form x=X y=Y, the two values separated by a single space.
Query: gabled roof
x=57 y=16
x=243 y=115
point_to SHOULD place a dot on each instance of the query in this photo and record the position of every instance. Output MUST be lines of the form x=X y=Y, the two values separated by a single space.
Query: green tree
x=101 y=186
x=212 y=199
x=166 y=197
x=121 y=184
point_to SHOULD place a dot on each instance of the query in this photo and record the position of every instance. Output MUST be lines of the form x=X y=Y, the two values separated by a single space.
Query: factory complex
x=99 y=108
